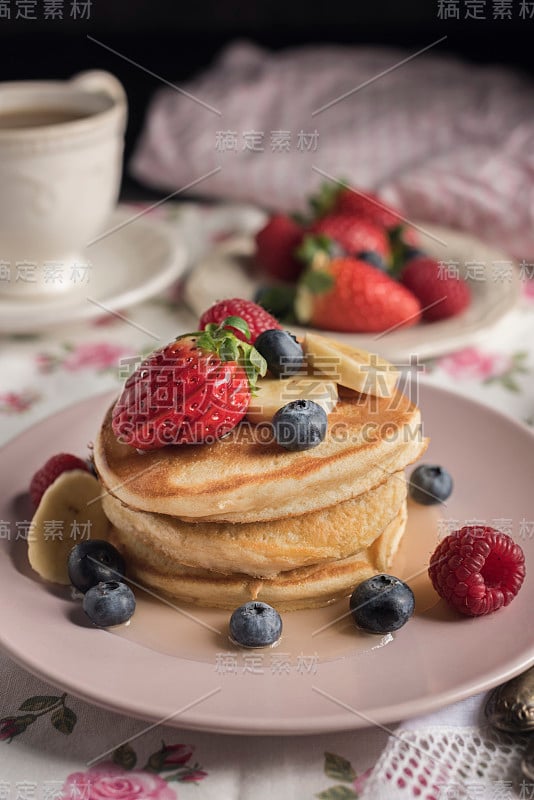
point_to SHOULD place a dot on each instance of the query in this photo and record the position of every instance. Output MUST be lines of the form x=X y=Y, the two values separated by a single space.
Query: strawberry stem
x=398 y=250
x=324 y=201
x=313 y=245
x=218 y=339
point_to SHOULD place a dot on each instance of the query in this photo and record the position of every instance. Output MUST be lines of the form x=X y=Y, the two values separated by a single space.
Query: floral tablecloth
x=48 y=739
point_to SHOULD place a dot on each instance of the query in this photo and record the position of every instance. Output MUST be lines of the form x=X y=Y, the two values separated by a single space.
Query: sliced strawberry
x=194 y=390
x=441 y=294
x=348 y=294
x=256 y=317
x=275 y=247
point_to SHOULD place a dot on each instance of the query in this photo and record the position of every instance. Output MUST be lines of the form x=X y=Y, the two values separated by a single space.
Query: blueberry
x=300 y=425
x=109 y=603
x=413 y=252
x=372 y=258
x=430 y=484
x=382 y=604
x=282 y=352
x=255 y=624
x=92 y=562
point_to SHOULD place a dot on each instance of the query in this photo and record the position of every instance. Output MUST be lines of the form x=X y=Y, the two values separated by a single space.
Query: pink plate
x=177 y=664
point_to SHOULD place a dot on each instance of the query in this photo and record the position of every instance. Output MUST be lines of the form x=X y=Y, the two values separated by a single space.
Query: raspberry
x=477 y=570
x=54 y=467
x=257 y=319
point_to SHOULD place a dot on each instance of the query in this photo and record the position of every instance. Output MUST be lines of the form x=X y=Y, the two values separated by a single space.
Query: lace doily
x=450 y=764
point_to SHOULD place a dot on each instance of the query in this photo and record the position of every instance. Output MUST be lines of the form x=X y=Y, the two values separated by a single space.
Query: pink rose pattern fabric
x=109 y=782
x=447 y=141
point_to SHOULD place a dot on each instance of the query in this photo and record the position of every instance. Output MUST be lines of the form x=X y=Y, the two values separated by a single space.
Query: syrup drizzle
x=323 y=634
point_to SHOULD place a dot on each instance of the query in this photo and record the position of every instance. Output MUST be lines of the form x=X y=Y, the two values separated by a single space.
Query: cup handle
x=101 y=82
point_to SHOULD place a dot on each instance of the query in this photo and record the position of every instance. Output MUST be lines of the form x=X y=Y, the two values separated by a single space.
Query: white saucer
x=128 y=265
x=228 y=271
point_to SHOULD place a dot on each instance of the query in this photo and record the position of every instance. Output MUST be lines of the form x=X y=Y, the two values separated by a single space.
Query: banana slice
x=70 y=511
x=356 y=369
x=273 y=393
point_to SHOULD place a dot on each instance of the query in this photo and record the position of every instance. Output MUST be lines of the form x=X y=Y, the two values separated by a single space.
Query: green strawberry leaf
x=277 y=300
x=238 y=323
x=338 y=768
x=205 y=340
x=313 y=245
x=229 y=350
x=325 y=199
x=300 y=218
x=257 y=361
x=218 y=339
x=317 y=281
x=254 y=364
x=39 y=703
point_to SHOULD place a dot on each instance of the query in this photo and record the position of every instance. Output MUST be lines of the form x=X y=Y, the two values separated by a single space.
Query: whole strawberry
x=194 y=390
x=348 y=294
x=54 y=467
x=275 y=247
x=354 y=234
x=339 y=198
x=477 y=570
x=256 y=317
x=441 y=294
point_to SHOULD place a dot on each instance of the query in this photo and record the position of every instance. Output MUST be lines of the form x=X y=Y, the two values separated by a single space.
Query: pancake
x=236 y=479
x=306 y=587
x=262 y=549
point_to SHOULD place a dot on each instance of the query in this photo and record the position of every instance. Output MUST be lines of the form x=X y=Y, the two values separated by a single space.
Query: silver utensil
x=510 y=707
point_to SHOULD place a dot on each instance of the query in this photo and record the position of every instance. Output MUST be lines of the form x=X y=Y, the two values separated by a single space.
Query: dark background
x=175 y=39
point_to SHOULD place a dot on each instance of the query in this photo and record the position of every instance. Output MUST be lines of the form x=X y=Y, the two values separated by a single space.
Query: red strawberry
x=367 y=205
x=340 y=199
x=54 y=467
x=276 y=243
x=348 y=294
x=477 y=570
x=194 y=390
x=354 y=234
x=257 y=319
x=441 y=295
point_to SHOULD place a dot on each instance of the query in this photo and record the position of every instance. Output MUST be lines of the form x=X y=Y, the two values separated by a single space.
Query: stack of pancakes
x=220 y=524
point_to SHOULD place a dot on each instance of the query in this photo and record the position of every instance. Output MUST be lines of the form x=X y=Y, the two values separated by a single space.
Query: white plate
x=228 y=272
x=176 y=666
x=137 y=259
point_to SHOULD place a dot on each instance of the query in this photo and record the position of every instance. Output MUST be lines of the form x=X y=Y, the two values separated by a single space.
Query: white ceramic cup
x=59 y=182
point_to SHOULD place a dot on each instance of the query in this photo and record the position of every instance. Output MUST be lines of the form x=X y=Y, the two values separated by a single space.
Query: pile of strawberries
x=353 y=266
